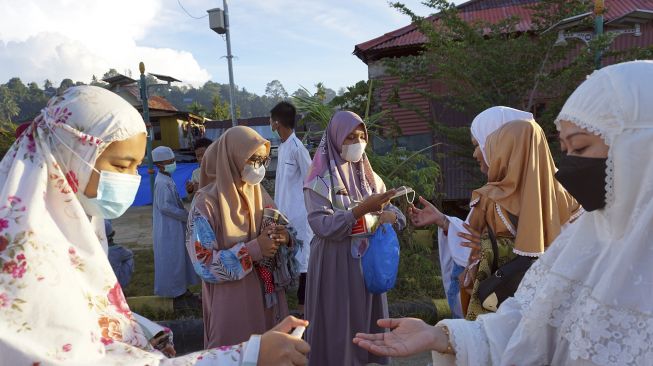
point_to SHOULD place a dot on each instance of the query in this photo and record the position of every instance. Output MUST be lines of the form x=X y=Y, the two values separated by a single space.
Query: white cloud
x=58 y=39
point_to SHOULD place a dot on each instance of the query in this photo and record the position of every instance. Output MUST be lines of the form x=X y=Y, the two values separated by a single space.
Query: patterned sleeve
x=212 y=265
x=243 y=354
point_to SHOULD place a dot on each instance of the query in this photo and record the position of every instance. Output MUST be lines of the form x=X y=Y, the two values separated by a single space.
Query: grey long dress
x=337 y=303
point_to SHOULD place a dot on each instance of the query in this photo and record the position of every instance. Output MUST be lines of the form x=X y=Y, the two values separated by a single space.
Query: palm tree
x=8 y=106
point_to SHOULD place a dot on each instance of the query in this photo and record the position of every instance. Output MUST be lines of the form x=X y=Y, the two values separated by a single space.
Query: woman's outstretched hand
x=427 y=215
x=409 y=336
x=473 y=241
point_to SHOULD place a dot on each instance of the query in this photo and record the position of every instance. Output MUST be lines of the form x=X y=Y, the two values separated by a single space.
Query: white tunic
x=292 y=167
x=453 y=257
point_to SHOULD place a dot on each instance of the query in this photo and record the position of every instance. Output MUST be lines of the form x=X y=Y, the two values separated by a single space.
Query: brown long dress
x=337 y=303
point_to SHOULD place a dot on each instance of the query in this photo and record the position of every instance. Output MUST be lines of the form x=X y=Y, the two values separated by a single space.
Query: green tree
x=275 y=91
x=111 y=73
x=197 y=109
x=482 y=64
x=8 y=106
x=7 y=138
x=353 y=98
x=220 y=110
x=65 y=84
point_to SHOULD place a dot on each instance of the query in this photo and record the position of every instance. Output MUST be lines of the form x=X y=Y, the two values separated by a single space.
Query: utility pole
x=219 y=23
x=599 y=7
x=148 y=125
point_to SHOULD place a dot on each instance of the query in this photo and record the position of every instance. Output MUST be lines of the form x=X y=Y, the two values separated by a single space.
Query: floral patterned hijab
x=60 y=301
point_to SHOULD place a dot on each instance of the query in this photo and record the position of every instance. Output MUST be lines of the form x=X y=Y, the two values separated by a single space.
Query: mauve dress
x=337 y=303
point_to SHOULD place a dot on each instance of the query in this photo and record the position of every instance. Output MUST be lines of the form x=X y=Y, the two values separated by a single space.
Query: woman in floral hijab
x=59 y=299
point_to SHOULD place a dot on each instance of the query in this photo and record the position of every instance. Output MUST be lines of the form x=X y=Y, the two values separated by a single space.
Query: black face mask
x=584 y=178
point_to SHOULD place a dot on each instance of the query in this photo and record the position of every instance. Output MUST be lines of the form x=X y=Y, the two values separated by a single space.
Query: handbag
x=505 y=280
x=380 y=262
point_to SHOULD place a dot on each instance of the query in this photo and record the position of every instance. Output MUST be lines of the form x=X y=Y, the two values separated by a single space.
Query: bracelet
x=449 y=349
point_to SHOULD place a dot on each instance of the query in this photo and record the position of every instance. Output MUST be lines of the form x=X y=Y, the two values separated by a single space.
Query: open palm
x=409 y=336
x=427 y=215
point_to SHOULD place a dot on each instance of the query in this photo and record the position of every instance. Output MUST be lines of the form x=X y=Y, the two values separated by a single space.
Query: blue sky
x=296 y=42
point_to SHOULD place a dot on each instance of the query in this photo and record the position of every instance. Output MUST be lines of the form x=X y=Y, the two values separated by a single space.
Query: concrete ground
x=134 y=228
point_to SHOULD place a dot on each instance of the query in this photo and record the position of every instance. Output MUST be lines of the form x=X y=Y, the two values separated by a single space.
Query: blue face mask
x=170 y=168
x=115 y=193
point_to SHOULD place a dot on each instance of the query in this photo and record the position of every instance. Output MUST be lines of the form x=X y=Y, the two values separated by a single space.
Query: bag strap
x=514 y=220
x=495 y=248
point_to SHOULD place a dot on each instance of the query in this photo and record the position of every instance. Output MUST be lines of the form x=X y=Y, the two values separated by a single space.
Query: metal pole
x=232 y=92
x=148 y=125
x=598 y=29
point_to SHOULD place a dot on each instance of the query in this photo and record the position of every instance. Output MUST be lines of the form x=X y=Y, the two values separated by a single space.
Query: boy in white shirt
x=292 y=167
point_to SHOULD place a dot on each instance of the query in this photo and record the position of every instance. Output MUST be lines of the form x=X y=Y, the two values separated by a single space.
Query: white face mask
x=253 y=175
x=354 y=152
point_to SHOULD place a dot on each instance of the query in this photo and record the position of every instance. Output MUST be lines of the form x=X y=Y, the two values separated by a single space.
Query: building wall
x=170 y=132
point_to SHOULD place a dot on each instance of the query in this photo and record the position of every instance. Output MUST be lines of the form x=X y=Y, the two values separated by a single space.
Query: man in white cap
x=173 y=270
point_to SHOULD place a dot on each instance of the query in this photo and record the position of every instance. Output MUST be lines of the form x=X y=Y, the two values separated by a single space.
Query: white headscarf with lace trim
x=592 y=290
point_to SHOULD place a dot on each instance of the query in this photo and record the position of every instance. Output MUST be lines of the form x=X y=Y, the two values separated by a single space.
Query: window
x=157 y=132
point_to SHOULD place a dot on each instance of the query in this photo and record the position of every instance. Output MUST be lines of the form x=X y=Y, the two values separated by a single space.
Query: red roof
x=408 y=40
x=154 y=101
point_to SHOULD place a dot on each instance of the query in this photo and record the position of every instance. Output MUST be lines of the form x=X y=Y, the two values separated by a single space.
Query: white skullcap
x=162 y=153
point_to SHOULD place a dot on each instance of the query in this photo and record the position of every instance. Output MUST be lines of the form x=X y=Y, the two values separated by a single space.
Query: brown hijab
x=235 y=209
x=521 y=182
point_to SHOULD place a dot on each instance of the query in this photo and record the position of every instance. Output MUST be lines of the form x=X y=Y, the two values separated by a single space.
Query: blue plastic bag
x=381 y=260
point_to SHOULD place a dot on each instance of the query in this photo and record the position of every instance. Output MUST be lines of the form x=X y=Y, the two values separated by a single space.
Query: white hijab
x=491 y=119
x=589 y=297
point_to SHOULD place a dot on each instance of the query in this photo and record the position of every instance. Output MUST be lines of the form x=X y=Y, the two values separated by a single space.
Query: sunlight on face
x=119 y=157
x=356 y=136
x=576 y=141
x=259 y=155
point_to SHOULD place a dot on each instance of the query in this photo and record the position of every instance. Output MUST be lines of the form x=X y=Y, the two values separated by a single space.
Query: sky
x=298 y=42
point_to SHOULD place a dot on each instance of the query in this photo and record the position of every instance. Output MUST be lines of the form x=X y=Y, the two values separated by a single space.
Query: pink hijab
x=336 y=179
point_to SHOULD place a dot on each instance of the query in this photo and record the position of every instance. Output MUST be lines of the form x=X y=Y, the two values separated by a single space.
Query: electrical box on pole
x=216 y=21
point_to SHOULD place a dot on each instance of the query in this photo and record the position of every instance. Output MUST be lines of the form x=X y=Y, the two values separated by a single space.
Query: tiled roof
x=154 y=101
x=408 y=39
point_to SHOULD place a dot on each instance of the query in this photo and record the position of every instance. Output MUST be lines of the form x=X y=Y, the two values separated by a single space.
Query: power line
x=189 y=14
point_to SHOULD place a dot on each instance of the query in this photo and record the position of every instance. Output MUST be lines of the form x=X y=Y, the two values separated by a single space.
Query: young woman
x=226 y=240
x=453 y=246
x=342 y=187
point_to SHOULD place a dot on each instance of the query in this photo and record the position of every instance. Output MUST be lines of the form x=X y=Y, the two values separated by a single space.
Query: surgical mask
x=584 y=179
x=253 y=175
x=115 y=193
x=275 y=133
x=170 y=168
x=353 y=153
